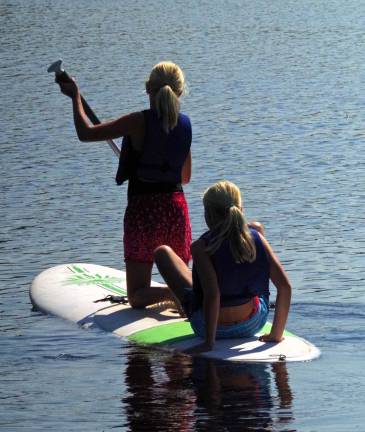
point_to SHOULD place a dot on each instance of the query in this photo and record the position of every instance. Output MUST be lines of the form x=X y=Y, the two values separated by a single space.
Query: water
x=275 y=97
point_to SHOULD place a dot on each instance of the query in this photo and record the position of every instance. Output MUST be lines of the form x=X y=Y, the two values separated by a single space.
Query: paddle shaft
x=65 y=77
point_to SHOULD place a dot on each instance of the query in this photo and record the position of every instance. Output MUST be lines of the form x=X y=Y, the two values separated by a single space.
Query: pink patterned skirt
x=156 y=219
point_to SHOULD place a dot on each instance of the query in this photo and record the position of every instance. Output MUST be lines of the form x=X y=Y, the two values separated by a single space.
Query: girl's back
x=238 y=282
x=164 y=153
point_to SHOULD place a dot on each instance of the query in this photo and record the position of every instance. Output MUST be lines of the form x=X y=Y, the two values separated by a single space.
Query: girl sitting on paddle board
x=226 y=295
x=157 y=212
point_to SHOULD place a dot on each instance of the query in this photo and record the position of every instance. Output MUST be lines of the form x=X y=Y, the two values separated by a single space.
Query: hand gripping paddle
x=63 y=76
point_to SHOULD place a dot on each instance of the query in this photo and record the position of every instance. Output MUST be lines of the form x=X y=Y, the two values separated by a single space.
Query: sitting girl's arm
x=282 y=284
x=211 y=295
x=131 y=124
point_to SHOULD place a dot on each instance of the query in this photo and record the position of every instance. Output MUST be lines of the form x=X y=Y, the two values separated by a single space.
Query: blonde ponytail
x=166 y=84
x=168 y=106
x=223 y=213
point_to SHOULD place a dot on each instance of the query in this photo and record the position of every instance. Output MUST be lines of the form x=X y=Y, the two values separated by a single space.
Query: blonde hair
x=223 y=214
x=166 y=84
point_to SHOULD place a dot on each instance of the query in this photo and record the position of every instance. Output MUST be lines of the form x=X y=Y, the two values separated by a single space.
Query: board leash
x=113 y=299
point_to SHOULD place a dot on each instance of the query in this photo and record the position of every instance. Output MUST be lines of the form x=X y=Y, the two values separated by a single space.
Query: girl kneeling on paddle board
x=159 y=141
x=226 y=295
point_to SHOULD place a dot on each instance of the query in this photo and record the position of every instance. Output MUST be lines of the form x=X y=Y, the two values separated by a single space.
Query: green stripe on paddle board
x=174 y=332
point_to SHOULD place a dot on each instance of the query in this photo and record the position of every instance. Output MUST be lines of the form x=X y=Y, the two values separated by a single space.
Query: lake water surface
x=276 y=95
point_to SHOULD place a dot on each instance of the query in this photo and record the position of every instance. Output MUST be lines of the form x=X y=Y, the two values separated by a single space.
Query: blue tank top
x=164 y=154
x=238 y=282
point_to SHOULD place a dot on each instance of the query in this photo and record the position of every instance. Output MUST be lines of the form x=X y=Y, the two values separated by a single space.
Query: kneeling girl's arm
x=186 y=170
x=281 y=281
x=131 y=124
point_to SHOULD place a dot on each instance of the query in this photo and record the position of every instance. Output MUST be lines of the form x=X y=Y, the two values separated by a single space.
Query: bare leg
x=139 y=289
x=175 y=272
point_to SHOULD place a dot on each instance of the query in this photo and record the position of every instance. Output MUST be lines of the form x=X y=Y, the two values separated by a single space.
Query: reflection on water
x=184 y=394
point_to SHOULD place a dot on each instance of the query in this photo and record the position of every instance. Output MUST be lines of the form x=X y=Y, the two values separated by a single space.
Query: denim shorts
x=243 y=329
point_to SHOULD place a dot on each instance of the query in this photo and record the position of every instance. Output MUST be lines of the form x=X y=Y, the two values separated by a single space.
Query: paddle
x=63 y=76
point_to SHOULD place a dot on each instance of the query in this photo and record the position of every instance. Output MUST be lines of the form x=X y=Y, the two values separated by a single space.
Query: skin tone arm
x=131 y=124
x=186 y=170
x=211 y=295
x=281 y=281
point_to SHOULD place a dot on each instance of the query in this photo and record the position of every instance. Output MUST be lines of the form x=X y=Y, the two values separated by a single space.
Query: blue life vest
x=163 y=154
x=238 y=282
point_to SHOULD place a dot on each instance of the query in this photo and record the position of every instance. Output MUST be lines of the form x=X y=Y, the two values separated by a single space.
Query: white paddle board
x=69 y=291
